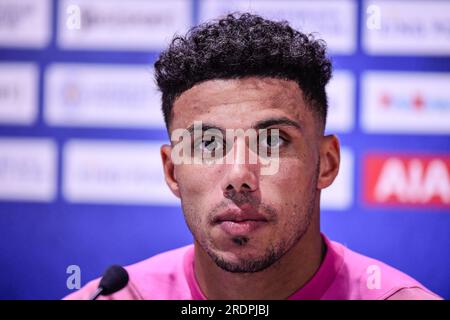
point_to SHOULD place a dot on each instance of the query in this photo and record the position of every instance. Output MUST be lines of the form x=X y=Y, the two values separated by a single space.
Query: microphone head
x=114 y=279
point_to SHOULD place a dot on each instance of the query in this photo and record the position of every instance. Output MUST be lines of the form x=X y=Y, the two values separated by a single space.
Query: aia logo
x=397 y=179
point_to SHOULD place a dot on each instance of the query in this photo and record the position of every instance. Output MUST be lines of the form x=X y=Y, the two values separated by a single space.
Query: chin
x=235 y=252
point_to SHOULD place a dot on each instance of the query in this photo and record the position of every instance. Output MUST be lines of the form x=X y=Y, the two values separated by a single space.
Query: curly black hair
x=243 y=45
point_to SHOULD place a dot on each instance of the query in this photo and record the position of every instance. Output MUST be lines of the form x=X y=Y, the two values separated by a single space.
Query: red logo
x=407 y=179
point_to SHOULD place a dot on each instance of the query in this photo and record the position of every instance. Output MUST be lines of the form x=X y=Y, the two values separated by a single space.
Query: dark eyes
x=273 y=141
x=212 y=144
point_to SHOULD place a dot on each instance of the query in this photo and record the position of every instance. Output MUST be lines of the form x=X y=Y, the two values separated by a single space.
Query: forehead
x=239 y=102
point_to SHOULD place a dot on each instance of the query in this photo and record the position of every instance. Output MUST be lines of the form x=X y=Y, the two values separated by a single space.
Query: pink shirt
x=343 y=274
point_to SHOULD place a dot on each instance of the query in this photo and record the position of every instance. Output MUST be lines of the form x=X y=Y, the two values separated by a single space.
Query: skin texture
x=281 y=255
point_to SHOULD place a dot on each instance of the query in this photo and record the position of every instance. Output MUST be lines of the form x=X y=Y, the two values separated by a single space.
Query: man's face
x=243 y=220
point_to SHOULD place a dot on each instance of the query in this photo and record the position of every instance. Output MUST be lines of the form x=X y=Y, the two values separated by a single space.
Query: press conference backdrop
x=81 y=184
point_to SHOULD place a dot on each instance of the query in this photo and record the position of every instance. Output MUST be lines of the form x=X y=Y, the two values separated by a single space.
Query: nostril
x=229 y=192
x=246 y=186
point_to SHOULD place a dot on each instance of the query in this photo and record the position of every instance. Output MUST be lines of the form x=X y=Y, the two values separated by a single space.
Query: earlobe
x=169 y=169
x=329 y=161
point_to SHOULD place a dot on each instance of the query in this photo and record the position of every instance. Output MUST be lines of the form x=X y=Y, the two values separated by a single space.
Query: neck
x=278 y=281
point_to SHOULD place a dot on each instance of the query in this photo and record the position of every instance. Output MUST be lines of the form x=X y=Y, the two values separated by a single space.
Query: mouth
x=237 y=222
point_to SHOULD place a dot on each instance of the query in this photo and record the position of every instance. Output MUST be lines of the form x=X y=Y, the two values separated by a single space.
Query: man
x=257 y=234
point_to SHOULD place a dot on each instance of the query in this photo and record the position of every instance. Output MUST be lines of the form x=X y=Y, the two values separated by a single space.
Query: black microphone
x=114 y=279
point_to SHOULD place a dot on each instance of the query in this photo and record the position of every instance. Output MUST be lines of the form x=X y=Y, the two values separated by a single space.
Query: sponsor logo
x=419 y=180
x=18 y=93
x=27 y=169
x=102 y=96
x=401 y=102
x=407 y=27
x=119 y=172
x=25 y=23
x=341 y=106
x=116 y=24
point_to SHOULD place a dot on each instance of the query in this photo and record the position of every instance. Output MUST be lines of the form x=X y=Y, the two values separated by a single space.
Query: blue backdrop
x=38 y=240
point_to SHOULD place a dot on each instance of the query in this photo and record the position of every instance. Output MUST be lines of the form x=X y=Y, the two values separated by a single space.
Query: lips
x=240 y=222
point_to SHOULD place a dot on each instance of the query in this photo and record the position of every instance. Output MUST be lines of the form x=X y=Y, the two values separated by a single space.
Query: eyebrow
x=282 y=121
x=262 y=124
x=205 y=127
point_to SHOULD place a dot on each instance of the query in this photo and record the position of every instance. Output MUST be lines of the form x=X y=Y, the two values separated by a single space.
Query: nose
x=240 y=174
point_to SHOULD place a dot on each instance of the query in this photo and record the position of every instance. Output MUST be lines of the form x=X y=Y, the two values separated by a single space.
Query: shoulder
x=414 y=294
x=162 y=276
x=159 y=277
x=362 y=277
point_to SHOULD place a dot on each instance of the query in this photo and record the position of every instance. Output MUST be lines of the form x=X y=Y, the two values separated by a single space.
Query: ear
x=169 y=169
x=330 y=156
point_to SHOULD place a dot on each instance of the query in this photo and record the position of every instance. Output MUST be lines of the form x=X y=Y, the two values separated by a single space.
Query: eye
x=272 y=140
x=209 y=144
